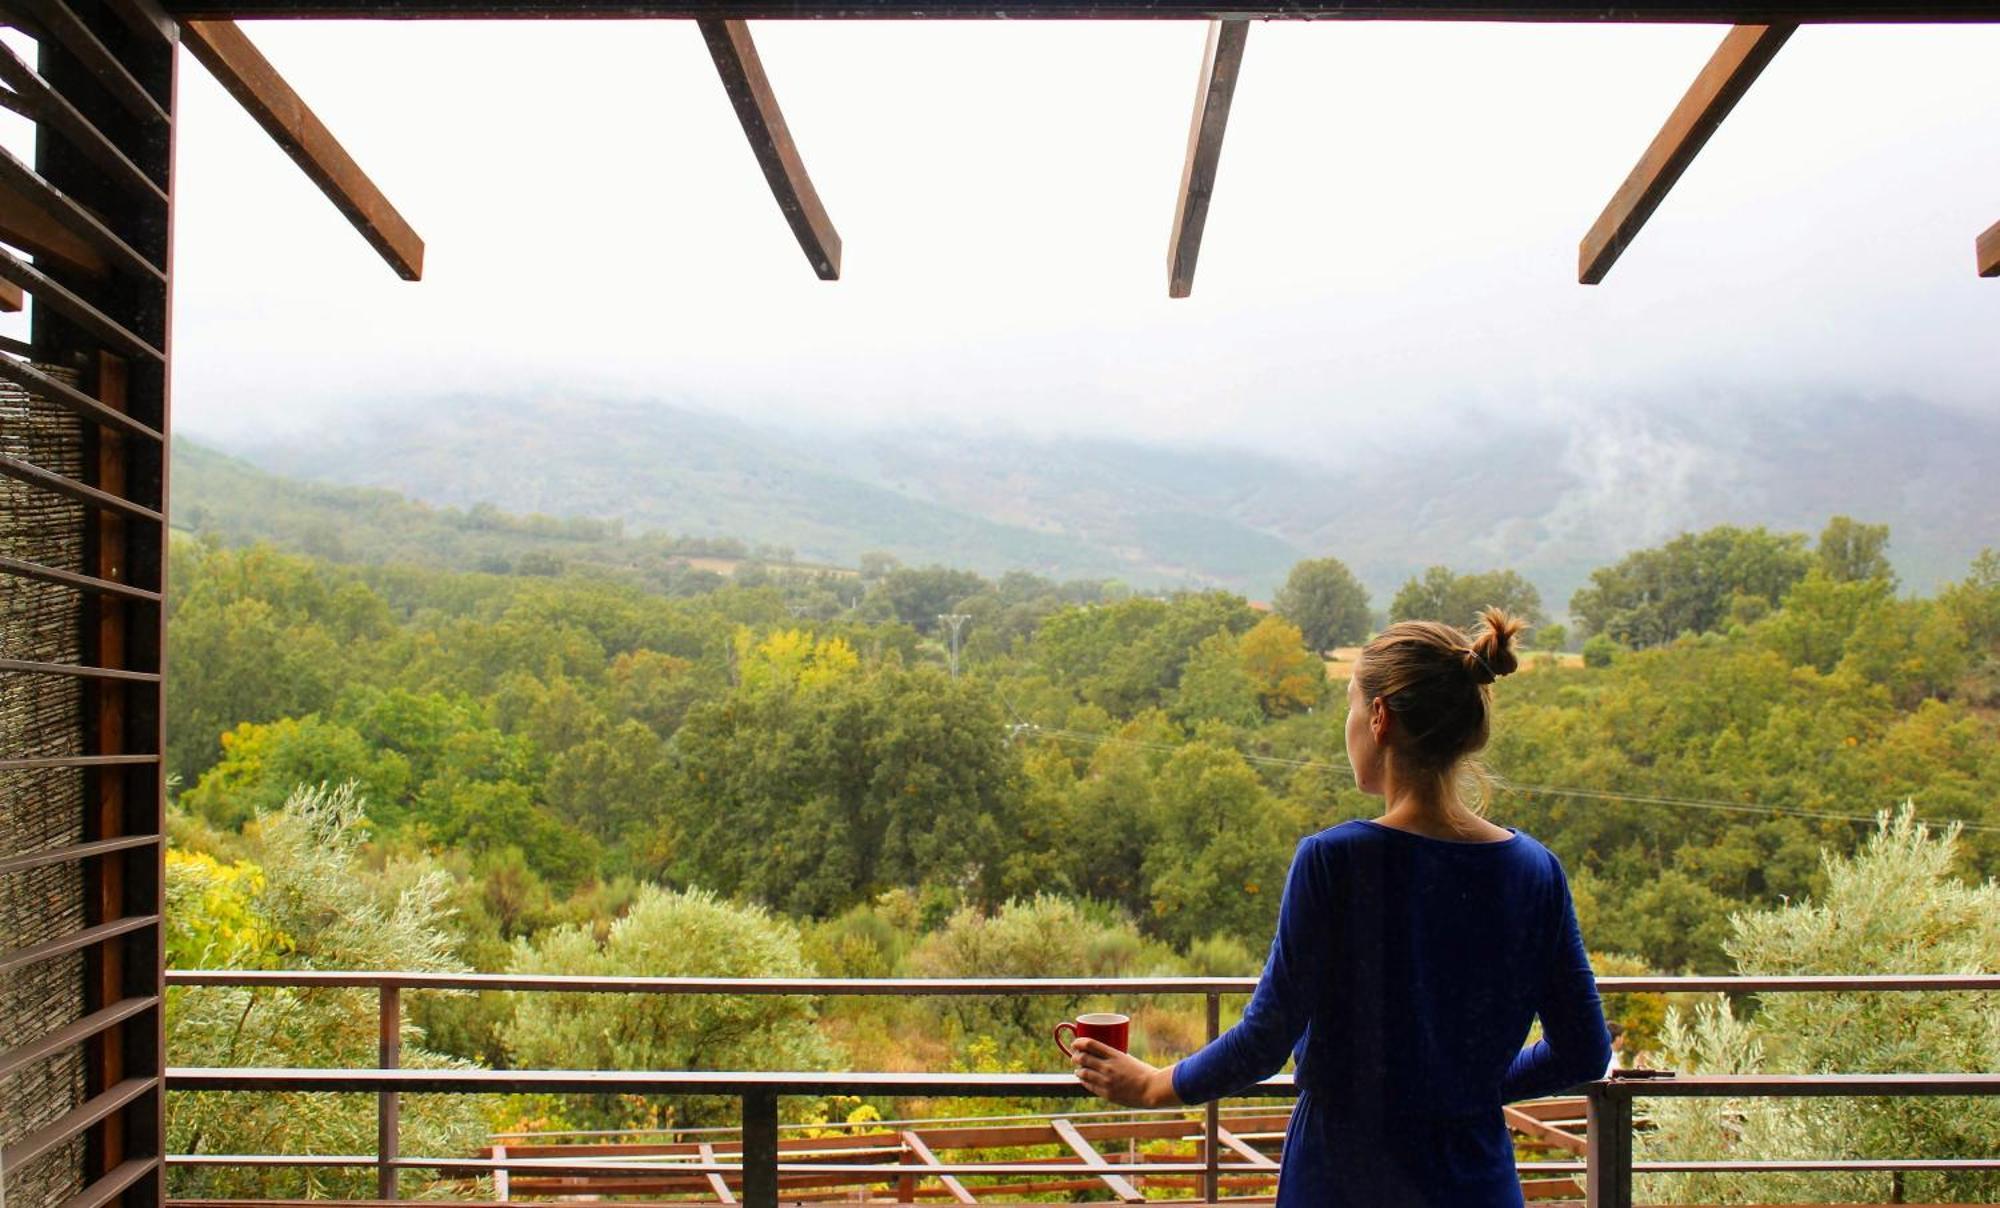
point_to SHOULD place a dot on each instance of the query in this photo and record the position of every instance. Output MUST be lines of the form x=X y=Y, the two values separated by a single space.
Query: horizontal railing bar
x=112 y=1185
x=36 y=762
x=72 y=1034
x=653 y=1082
x=73 y=1122
x=886 y=1170
x=75 y=851
x=1245 y=1109
x=78 y=671
x=1778 y=1166
x=77 y=942
x=63 y=25
x=895 y=1169
x=34 y=475
x=736 y=1082
x=55 y=390
x=1087 y=987
x=66 y=578
x=1759 y=1086
x=60 y=298
x=55 y=110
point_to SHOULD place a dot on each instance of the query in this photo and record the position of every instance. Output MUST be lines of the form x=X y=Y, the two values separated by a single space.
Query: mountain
x=1547 y=493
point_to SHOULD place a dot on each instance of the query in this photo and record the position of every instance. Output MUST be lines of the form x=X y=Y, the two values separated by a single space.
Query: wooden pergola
x=86 y=233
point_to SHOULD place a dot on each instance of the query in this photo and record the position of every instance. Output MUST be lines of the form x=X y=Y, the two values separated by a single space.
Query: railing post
x=1608 y=1149
x=1211 y=1148
x=760 y=1149
x=388 y=1108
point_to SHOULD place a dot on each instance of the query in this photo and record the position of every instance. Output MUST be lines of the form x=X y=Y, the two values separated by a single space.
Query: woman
x=1412 y=952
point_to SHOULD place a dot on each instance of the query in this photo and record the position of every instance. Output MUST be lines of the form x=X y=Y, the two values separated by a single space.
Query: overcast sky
x=1394 y=227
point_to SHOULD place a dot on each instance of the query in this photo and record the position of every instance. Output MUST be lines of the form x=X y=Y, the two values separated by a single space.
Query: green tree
x=1894 y=907
x=303 y=899
x=263 y=764
x=1442 y=594
x=1691 y=584
x=667 y=934
x=1044 y=936
x=1217 y=865
x=1851 y=552
x=1287 y=677
x=1328 y=604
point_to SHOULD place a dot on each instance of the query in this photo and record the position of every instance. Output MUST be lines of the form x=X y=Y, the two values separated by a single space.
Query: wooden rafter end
x=248 y=76
x=1221 y=62
x=1736 y=64
x=1988 y=249
x=756 y=106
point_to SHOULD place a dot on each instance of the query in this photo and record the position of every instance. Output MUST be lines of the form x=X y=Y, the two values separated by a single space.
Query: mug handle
x=1058 y=1033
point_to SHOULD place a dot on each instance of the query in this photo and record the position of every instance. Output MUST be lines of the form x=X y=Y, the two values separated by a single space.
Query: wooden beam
x=1548 y=1134
x=756 y=107
x=929 y=1158
x=1220 y=62
x=1245 y=1150
x=248 y=76
x=1591 y=12
x=13 y=299
x=1119 y=1185
x=29 y=226
x=54 y=19
x=1988 y=249
x=1734 y=66
x=715 y=1183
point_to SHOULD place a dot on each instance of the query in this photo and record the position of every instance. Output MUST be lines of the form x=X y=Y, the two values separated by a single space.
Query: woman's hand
x=1120 y=1077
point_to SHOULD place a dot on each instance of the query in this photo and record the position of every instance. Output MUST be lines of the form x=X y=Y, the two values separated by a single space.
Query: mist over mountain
x=1550 y=492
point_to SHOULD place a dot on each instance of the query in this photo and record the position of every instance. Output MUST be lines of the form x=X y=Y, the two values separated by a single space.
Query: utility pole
x=955 y=621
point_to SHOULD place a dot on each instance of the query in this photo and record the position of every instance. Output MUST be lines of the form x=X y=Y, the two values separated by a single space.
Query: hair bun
x=1492 y=652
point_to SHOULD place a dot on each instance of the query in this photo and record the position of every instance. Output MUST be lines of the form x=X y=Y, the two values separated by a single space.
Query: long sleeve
x=1258 y=1046
x=1575 y=1046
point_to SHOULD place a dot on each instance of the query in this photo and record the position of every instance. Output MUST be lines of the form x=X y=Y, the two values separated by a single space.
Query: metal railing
x=1607 y=1168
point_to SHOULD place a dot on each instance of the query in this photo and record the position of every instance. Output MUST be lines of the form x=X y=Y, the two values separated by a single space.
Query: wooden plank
x=62 y=210
x=756 y=107
x=1988 y=249
x=951 y=1183
x=56 y=296
x=32 y=228
x=248 y=76
x=715 y=1181
x=1256 y=1156
x=55 y=390
x=1119 y=1185
x=13 y=299
x=1548 y=1134
x=1735 y=65
x=1221 y=61
x=37 y=100
x=55 y=20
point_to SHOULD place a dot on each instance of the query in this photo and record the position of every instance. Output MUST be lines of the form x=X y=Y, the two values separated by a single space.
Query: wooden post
x=1211 y=1146
x=760 y=1148
x=388 y=1108
x=1608 y=1181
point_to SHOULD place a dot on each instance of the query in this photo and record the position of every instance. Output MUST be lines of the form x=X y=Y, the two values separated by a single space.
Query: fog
x=1391 y=249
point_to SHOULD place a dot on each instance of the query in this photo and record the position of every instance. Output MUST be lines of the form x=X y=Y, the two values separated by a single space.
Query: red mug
x=1106 y=1028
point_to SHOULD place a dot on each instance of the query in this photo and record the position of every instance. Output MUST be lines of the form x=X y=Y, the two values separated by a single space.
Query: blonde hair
x=1437 y=682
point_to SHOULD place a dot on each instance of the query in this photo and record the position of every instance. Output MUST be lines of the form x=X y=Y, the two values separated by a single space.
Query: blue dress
x=1403 y=977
